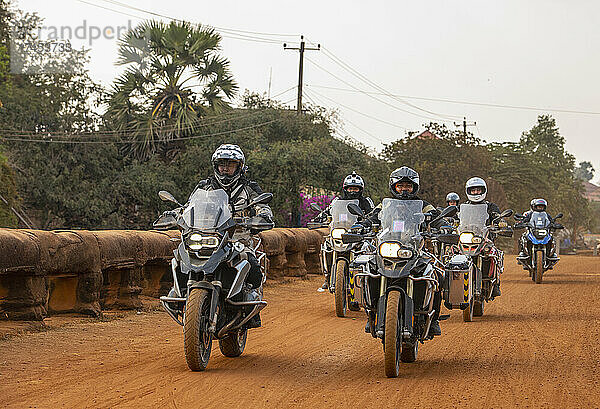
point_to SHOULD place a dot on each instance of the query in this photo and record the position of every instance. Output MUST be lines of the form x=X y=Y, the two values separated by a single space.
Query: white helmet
x=476 y=182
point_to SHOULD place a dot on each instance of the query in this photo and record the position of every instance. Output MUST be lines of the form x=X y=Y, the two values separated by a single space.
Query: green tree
x=444 y=163
x=174 y=76
x=585 y=171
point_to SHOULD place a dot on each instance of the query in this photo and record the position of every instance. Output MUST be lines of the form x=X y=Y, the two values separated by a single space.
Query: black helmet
x=353 y=180
x=452 y=196
x=228 y=152
x=538 y=202
x=404 y=174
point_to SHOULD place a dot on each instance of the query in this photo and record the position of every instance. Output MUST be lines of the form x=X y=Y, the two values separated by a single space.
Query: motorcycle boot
x=255 y=321
x=496 y=290
x=434 y=328
x=325 y=285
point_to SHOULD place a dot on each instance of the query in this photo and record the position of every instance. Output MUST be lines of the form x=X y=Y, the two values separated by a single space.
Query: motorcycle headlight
x=542 y=232
x=196 y=242
x=405 y=253
x=389 y=249
x=337 y=233
x=466 y=238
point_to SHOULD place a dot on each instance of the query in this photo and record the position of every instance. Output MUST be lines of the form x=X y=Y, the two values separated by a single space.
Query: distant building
x=592 y=192
x=427 y=135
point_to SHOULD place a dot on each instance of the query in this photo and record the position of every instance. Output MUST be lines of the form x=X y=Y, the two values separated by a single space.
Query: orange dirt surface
x=536 y=346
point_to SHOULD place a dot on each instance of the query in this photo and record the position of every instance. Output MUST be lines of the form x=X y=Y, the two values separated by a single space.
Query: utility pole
x=302 y=48
x=465 y=124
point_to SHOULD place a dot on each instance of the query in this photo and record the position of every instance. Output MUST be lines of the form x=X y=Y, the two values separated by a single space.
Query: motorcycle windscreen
x=539 y=220
x=401 y=221
x=207 y=209
x=341 y=218
x=473 y=218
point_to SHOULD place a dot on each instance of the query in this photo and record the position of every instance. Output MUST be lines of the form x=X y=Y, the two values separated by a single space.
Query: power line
x=140 y=141
x=218 y=28
x=226 y=33
x=363 y=78
x=453 y=101
x=359 y=112
x=373 y=97
x=374 y=138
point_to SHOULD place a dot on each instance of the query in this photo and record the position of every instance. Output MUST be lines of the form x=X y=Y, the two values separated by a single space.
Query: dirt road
x=537 y=346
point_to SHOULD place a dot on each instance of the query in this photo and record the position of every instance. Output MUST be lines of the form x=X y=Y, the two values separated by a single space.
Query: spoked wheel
x=341 y=292
x=539 y=267
x=233 y=344
x=478 y=308
x=196 y=338
x=409 y=352
x=392 y=338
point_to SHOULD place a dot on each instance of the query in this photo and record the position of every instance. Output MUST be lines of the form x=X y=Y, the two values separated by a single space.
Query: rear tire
x=539 y=267
x=392 y=338
x=233 y=344
x=196 y=338
x=341 y=292
x=478 y=308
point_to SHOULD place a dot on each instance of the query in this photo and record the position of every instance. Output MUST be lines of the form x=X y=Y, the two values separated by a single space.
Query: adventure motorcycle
x=210 y=297
x=336 y=256
x=539 y=234
x=475 y=269
x=396 y=279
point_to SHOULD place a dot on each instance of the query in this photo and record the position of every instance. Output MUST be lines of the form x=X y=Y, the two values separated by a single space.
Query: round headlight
x=466 y=238
x=337 y=233
x=389 y=249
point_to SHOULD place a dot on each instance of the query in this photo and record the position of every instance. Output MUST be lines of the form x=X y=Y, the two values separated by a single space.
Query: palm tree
x=174 y=76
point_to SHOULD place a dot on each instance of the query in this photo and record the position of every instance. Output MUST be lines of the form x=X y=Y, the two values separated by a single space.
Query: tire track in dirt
x=536 y=346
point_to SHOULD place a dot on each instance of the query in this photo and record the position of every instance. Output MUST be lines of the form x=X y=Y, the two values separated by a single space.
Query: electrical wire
x=373 y=137
x=376 y=86
x=452 y=101
x=372 y=96
x=224 y=32
x=137 y=140
x=359 y=112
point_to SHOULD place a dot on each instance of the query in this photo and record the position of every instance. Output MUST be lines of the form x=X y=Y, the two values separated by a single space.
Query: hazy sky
x=536 y=53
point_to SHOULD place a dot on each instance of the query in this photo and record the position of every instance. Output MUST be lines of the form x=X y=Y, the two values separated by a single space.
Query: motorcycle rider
x=352 y=188
x=476 y=190
x=452 y=199
x=536 y=205
x=229 y=167
x=404 y=184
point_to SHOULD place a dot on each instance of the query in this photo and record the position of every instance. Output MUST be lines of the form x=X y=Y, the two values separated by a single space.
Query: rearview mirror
x=506 y=213
x=449 y=211
x=315 y=207
x=354 y=209
x=263 y=198
x=558 y=216
x=167 y=197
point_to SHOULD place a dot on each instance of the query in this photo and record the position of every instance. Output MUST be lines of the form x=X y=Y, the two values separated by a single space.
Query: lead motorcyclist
x=476 y=190
x=352 y=188
x=404 y=184
x=229 y=167
x=536 y=205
